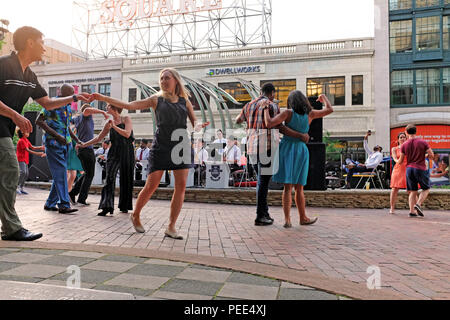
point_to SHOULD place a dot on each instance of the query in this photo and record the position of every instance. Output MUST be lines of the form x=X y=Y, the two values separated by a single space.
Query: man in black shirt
x=17 y=84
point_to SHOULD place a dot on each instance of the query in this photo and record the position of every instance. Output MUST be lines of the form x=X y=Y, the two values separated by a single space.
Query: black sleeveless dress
x=166 y=154
x=120 y=157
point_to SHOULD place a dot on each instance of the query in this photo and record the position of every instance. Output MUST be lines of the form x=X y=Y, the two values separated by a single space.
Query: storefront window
x=446 y=84
x=427 y=33
x=446 y=32
x=400 y=4
x=238 y=92
x=427 y=83
x=401 y=36
x=357 y=90
x=402 y=87
x=284 y=88
x=53 y=92
x=333 y=88
x=132 y=96
x=104 y=89
x=88 y=88
x=426 y=3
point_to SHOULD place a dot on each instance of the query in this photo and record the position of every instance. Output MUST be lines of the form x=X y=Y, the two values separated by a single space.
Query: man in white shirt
x=232 y=155
x=220 y=141
x=371 y=163
x=102 y=156
x=201 y=156
x=141 y=154
x=102 y=152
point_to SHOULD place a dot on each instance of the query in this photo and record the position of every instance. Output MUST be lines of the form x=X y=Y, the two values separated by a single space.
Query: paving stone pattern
x=412 y=253
x=148 y=278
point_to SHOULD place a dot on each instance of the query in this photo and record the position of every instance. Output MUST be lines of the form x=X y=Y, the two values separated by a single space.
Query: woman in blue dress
x=293 y=153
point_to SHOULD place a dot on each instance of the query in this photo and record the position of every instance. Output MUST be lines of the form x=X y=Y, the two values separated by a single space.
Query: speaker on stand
x=317 y=152
x=38 y=167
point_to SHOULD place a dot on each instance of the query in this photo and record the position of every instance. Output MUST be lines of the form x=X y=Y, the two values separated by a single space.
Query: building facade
x=341 y=69
x=55 y=51
x=419 y=55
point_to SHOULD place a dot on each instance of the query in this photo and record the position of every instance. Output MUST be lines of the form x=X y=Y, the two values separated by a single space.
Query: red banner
x=437 y=136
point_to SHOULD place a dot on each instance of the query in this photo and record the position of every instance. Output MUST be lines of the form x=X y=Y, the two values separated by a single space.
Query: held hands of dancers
x=85 y=97
x=98 y=97
x=199 y=126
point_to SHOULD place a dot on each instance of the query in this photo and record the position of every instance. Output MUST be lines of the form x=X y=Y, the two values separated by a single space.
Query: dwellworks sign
x=235 y=70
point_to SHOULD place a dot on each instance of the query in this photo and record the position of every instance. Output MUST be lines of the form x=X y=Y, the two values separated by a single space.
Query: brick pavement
x=413 y=254
x=144 y=279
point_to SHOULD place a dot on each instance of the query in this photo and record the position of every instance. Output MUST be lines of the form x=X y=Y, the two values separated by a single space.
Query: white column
x=381 y=74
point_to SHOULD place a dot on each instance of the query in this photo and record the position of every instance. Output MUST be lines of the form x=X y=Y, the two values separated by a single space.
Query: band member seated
x=232 y=154
x=141 y=154
x=102 y=156
x=200 y=158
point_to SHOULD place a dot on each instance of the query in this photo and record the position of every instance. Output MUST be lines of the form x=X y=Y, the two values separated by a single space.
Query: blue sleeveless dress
x=294 y=154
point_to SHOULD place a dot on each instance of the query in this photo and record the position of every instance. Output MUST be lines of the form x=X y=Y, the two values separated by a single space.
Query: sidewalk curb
x=333 y=286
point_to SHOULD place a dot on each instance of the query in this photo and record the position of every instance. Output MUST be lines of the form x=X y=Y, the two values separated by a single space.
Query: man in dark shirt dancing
x=17 y=84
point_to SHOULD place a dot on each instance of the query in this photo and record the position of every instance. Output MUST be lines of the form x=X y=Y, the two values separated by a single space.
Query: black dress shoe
x=268 y=217
x=22 y=235
x=105 y=212
x=50 y=209
x=83 y=203
x=72 y=198
x=67 y=210
x=263 y=222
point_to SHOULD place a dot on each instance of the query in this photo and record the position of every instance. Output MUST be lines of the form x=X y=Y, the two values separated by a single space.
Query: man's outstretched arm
x=293 y=134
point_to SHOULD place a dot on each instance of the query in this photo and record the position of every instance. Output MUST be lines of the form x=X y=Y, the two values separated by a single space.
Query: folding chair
x=373 y=175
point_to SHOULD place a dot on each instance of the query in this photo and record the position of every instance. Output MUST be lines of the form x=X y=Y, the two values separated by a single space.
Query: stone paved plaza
x=147 y=278
x=332 y=256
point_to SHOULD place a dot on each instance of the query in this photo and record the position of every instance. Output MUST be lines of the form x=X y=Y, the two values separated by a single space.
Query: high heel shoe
x=139 y=228
x=105 y=212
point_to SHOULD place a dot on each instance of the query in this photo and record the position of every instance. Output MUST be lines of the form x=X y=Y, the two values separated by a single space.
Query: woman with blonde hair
x=172 y=108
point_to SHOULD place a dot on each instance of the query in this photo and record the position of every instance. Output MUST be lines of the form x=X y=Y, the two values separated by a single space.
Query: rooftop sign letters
x=226 y=71
x=126 y=11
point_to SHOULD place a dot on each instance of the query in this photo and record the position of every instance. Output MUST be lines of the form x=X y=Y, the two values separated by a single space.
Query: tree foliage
x=29 y=107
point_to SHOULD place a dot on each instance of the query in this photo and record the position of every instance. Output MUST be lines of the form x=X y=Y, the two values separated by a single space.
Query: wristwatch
x=74 y=97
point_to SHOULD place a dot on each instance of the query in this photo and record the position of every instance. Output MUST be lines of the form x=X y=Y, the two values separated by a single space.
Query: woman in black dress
x=171 y=149
x=120 y=157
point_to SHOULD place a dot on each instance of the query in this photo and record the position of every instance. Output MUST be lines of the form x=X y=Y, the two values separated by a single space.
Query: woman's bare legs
x=287 y=204
x=300 y=203
x=394 y=196
x=151 y=185
x=178 y=197
x=71 y=176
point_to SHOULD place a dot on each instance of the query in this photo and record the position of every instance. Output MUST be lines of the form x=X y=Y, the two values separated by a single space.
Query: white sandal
x=138 y=228
x=173 y=235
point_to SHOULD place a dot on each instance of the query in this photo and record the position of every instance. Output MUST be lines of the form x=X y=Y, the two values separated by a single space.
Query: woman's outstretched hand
x=200 y=126
x=322 y=99
x=98 y=97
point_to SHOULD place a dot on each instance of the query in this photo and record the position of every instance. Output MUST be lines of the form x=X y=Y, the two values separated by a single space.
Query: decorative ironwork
x=198 y=88
x=239 y=23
